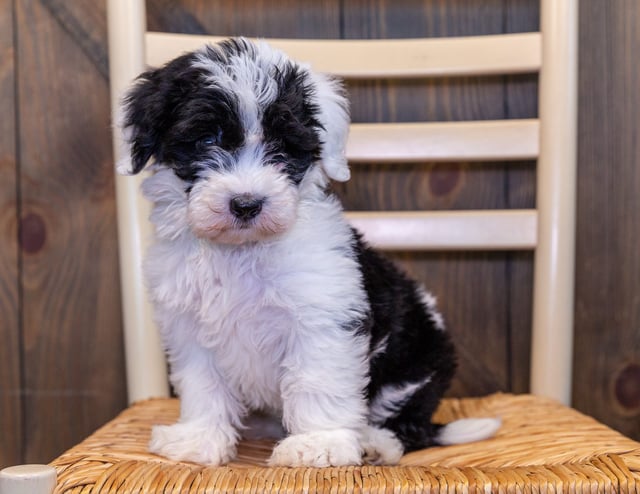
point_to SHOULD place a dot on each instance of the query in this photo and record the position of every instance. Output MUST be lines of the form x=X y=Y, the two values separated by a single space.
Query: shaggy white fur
x=265 y=315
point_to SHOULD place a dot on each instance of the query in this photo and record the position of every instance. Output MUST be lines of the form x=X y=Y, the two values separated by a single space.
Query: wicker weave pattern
x=542 y=447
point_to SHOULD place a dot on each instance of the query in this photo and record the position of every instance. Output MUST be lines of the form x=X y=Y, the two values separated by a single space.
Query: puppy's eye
x=210 y=141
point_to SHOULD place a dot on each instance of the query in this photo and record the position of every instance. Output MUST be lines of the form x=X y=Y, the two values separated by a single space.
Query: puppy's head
x=243 y=129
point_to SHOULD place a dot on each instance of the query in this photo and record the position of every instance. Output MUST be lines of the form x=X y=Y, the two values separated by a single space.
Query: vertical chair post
x=146 y=367
x=553 y=303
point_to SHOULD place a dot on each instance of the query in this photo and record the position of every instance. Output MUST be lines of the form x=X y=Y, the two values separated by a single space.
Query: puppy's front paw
x=318 y=449
x=193 y=442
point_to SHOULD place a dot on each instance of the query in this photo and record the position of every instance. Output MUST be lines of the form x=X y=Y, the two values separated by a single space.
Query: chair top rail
x=385 y=58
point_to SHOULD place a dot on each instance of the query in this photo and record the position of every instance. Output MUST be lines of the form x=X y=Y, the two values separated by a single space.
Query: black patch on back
x=416 y=348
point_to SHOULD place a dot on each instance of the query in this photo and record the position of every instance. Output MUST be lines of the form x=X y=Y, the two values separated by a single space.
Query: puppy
x=266 y=298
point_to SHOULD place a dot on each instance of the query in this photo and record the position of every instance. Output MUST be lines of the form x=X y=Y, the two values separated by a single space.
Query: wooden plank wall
x=61 y=357
x=607 y=356
x=72 y=376
x=10 y=364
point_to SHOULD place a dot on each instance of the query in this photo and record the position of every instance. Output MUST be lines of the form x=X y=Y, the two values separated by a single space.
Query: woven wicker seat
x=543 y=447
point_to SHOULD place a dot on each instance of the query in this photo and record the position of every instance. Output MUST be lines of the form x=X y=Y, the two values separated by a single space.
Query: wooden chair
x=543 y=445
x=551 y=138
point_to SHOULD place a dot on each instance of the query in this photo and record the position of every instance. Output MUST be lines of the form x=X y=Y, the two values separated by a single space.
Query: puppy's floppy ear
x=140 y=119
x=146 y=108
x=333 y=109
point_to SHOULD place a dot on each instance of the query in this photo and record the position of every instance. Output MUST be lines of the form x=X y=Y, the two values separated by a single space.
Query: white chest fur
x=254 y=306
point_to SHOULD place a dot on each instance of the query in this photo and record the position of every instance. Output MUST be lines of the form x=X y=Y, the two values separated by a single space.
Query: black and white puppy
x=265 y=296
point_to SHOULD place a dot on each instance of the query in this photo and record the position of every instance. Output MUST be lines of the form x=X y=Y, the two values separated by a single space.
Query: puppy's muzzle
x=245 y=207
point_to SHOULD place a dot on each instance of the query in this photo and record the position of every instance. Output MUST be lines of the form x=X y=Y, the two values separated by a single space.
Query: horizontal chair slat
x=395 y=58
x=448 y=230
x=444 y=141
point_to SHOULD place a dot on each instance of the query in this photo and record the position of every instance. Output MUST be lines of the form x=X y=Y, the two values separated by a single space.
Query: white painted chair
x=551 y=139
x=543 y=444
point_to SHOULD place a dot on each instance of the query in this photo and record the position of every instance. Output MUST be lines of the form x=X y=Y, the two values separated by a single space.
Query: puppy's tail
x=467 y=431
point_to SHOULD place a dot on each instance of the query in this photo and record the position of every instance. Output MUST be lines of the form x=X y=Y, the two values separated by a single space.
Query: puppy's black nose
x=245 y=207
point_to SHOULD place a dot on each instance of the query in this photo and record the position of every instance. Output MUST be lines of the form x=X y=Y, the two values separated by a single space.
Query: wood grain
x=10 y=365
x=607 y=322
x=86 y=22
x=284 y=18
x=74 y=370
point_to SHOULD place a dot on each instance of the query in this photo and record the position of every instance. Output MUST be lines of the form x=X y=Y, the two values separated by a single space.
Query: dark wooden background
x=61 y=355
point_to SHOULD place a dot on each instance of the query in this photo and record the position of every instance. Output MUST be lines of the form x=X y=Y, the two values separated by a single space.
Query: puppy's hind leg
x=381 y=446
x=410 y=422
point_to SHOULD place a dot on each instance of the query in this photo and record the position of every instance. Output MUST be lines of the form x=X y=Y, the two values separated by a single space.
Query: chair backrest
x=548 y=229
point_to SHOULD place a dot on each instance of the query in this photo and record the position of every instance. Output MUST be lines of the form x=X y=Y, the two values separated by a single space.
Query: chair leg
x=28 y=479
